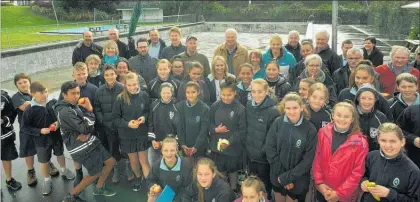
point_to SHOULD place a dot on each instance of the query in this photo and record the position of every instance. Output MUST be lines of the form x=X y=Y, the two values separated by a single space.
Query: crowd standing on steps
x=295 y=122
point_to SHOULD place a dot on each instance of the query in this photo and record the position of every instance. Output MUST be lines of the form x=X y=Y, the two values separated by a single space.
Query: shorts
x=225 y=163
x=44 y=153
x=285 y=192
x=9 y=152
x=134 y=145
x=94 y=161
x=26 y=145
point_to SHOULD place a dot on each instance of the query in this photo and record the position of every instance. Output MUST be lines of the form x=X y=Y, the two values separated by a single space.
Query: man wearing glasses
x=143 y=63
x=341 y=76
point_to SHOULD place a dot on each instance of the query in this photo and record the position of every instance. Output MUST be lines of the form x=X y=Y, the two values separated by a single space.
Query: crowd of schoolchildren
x=298 y=121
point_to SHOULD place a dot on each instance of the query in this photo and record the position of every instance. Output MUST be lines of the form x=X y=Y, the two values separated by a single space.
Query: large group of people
x=297 y=120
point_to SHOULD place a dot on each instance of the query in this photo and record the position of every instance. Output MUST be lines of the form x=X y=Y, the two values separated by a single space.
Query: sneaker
x=67 y=174
x=78 y=179
x=72 y=198
x=53 y=170
x=31 y=177
x=136 y=184
x=13 y=184
x=47 y=187
x=104 y=191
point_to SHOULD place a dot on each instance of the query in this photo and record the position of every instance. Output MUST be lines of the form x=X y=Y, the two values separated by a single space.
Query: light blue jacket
x=286 y=61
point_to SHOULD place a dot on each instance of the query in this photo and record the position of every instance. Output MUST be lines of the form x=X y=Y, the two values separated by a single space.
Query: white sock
x=62 y=169
x=47 y=178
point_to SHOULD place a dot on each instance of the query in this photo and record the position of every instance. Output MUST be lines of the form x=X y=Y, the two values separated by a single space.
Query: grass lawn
x=20 y=27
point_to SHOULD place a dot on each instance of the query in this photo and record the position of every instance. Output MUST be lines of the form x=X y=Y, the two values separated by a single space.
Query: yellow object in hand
x=373 y=184
x=222 y=141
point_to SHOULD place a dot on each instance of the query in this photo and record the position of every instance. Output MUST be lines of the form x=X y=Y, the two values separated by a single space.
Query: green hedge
x=76 y=15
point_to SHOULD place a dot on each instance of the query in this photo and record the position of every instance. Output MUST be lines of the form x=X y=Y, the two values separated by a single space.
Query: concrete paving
x=53 y=79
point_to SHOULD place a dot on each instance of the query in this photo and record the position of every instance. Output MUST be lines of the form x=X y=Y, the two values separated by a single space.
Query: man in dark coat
x=85 y=48
x=114 y=35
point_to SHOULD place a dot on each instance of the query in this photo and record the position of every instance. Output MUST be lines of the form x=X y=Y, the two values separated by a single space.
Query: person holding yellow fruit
x=171 y=171
x=390 y=175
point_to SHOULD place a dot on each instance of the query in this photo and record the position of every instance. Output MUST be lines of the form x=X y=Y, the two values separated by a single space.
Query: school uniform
x=35 y=117
x=320 y=118
x=74 y=122
x=26 y=143
x=243 y=95
x=290 y=150
x=97 y=80
x=132 y=140
x=383 y=106
x=399 y=174
x=204 y=94
x=8 y=136
x=214 y=86
x=193 y=126
x=105 y=97
x=219 y=190
x=233 y=117
x=370 y=122
x=397 y=104
x=163 y=119
x=177 y=178
x=259 y=119
x=281 y=87
x=410 y=125
x=153 y=89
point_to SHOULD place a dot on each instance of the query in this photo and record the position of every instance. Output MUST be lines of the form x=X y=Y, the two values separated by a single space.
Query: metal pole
x=94 y=21
x=55 y=13
x=334 y=25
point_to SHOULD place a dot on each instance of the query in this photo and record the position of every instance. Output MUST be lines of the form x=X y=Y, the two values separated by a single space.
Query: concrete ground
x=54 y=78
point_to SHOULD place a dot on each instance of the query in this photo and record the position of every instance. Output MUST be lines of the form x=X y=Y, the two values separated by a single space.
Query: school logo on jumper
x=298 y=143
x=171 y=115
x=324 y=123
x=231 y=115
x=373 y=132
x=213 y=200
x=260 y=120
x=142 y=106
x=249 y=96
x=178 y=178
x=2 y=105
x=197 y=119
x=396 y=182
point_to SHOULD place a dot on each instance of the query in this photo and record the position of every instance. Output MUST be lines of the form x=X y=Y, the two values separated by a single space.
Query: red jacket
x=388 y=78
x=343 y=170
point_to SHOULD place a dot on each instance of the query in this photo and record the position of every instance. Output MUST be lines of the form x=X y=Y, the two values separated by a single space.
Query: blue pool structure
x=80 y=30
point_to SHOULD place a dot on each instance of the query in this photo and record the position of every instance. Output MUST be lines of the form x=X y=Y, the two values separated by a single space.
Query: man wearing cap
x=191 y=54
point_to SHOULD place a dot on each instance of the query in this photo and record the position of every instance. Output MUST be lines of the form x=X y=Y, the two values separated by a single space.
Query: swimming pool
x=79 y=30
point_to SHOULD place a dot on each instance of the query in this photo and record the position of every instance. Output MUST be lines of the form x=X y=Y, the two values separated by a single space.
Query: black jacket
x=323 y=78
x=104 y=100
x=163 y=119
x=218 y=191
x=123 y=50
x=122 y=113
x=243 y=95
x=294 y=51
x=35 y=117
x=97 y=80
x=400 y=175
x=8 y=115
x=145 y=66
x=81 y=52
x=376 y=56
x=281 y=87
x=193 y=124
x=259 y=119
x=341 y=78
x=153 y=88
x=370 y=122
x=170 y=51
x=330 y=58
x=398 y=105
x=233 y=117
x=73 y=122
x=18 y=99
x=162 y=45
x=410 y=124
x=320 y=118
x=350 y=94
x=290 y=151
x=178 y=177
x=415 y=64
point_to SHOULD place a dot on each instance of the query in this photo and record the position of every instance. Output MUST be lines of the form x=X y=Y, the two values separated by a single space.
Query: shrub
x=7 y=4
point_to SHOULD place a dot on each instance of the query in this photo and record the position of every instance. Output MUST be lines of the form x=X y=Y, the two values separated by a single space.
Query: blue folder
x=167 y=195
